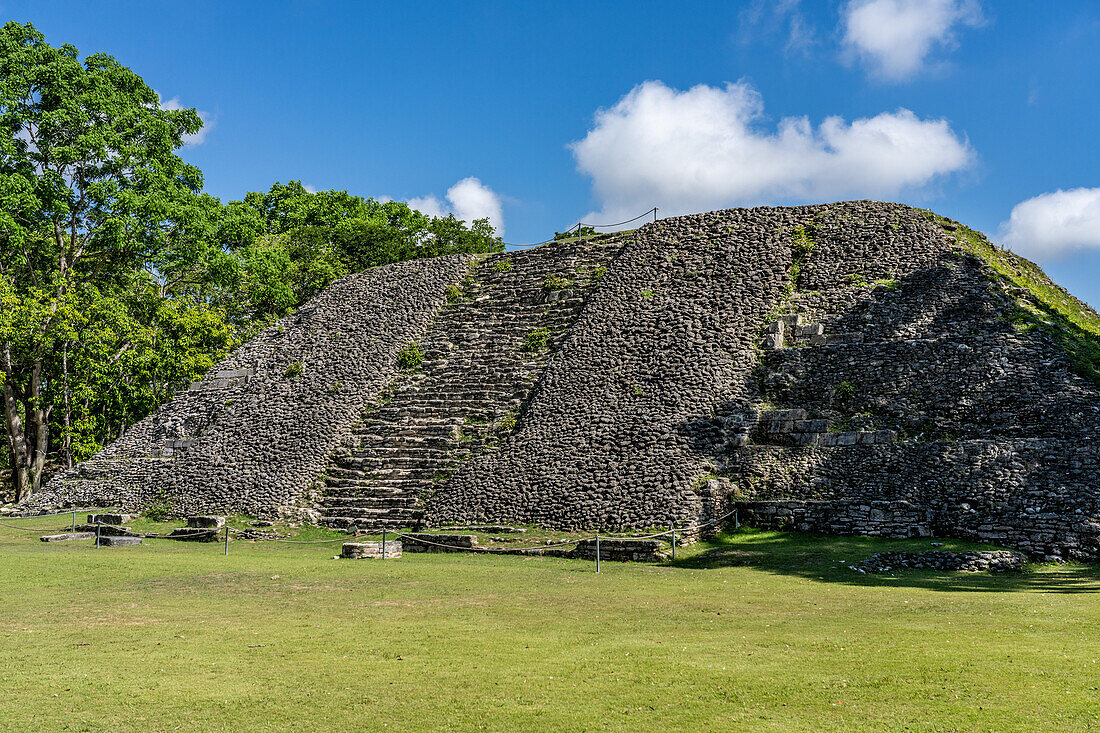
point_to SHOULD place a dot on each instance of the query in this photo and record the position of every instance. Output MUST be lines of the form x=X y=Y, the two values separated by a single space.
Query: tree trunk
x=67 y=441
x=27 y=428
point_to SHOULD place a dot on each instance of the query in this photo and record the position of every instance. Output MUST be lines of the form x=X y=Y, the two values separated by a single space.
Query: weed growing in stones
x=454 y=294
x=648 y=293
x=502 y=265
x=294 y=370
x=844 y=392
x=555 y=282
x=802 y=246
x=505 y=425
x=856 y=279
x=537 y=340
x=410 y=357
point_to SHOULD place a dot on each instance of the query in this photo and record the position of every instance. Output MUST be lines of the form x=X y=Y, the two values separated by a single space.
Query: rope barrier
x=28 y=529
x=604 y=226
x=62 y=514
x=577 y=226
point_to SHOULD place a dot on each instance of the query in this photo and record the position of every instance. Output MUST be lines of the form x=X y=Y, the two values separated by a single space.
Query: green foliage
x=555 y=282
x=103 y=237
x=597 y=273
x=505 y=425
x=537 y=340
x=648 y=293
x=802 y=246
x=159 y=511
x=888 y=283
x=856 y=279
x=120 y=281
x=410 y=357
x=844 y=391
x=294 y=370
x=454 y=294
x=502 y=265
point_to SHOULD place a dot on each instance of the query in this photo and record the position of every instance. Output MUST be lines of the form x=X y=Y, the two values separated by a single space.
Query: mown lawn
x=759 y=629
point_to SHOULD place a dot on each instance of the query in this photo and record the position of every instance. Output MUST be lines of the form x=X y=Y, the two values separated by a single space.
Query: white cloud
x=469 y=199
x=1053 y=225
x=208 y=122
x=701 y=149
x=895 y=37
x=775 y=16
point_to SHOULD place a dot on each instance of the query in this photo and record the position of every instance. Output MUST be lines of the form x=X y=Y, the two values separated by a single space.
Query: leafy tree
x=121 y=281
x=97 y=211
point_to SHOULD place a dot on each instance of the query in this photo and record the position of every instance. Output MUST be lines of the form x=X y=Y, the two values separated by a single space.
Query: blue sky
x=986 y=112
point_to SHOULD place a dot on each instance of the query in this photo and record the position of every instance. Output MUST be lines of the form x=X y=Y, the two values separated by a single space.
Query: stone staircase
x=795 y=427
x=482 y=357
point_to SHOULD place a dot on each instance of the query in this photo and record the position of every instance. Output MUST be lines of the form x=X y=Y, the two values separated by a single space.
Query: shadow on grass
x=828 y=558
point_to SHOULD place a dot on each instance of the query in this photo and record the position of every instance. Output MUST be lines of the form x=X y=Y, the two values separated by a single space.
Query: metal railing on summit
x=580 y=226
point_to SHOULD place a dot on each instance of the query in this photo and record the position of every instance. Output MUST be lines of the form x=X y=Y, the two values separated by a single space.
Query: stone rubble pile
x=995 y=561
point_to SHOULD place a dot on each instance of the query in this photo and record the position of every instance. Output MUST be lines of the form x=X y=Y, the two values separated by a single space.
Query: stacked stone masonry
x=846 y=365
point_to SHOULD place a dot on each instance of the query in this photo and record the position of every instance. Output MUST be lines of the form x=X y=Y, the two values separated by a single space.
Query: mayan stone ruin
x=844 y=368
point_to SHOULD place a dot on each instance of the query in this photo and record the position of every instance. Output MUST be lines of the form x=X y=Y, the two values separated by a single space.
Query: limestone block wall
x=254 y=436
x=607 y=438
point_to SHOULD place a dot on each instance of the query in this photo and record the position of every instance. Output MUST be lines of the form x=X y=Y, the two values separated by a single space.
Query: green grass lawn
x=757 y=629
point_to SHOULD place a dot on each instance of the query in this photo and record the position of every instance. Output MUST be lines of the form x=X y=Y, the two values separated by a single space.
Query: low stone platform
x=364 y=550
x=68 y=537
x=995 y=561
x=193 y=534
x=106 y=530
x=206 y=521
x=423 y=542
x=115 y=519
x=621 y=550
x=117 y=541
x=487 y=528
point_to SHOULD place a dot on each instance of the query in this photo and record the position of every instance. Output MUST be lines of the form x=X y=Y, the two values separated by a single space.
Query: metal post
x=74 y=520
x=383 y=543
x=736 y=522
x=597 y=552
x=97 y=526
x=654 y=213
x=673 y=543
x=227 y=539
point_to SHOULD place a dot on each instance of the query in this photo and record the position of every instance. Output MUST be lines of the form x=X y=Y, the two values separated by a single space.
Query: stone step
x=377 y=492
x=374 y=502
x=374 y=513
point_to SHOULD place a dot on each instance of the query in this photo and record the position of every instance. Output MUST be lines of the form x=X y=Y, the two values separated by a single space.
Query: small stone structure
x=996 y=561
x=119 y=541
x=362 y=550
x=206 y=522
x=68 y=537
x=423 y=542
x=115 y=519
x=622 y=550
